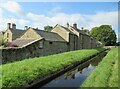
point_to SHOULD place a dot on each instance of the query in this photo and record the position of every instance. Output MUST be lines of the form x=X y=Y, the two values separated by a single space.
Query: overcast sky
x=40 y=14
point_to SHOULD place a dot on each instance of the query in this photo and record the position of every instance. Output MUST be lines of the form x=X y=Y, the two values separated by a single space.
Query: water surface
x=76 y=76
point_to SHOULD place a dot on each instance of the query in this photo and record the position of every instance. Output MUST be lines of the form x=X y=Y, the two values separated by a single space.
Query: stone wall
x=62 y=32
x=38 y=48
x=94 y=43
x=73 y=42
x=80 y=41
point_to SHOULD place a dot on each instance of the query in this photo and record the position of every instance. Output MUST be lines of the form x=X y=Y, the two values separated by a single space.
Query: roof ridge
x=46 y=31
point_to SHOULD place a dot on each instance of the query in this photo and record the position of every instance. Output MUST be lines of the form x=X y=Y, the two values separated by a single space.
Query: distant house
x=12 y=33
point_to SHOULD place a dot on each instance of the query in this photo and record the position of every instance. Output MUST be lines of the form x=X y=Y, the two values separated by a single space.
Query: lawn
x=106 y=73
x=22 y=72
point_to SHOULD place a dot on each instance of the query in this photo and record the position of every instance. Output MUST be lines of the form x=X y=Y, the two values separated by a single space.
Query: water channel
x=75 y=77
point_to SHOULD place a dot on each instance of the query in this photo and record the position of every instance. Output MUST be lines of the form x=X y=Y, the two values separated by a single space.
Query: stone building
x=77 y=38
x=50 y=42
x=12 y=33
x=33 y=42
x=74 y=37
x=67 y=35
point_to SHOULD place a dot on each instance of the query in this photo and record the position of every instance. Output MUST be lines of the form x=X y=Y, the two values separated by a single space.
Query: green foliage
x=118 y=43
x=95 y=31
x=105 y=34
x=106 y=73
x=22 y=72
x=48 y=28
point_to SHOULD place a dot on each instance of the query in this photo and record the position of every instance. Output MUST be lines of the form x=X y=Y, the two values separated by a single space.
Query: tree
x=118 y=43
x=95 y=31
x=105 y=34
x=48 y=28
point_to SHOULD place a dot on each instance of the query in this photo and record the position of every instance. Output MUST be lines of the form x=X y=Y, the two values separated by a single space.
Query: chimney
x=13 y=26
x=67 y=25
x=26 y=27
x=75 y=26
x=8 y=25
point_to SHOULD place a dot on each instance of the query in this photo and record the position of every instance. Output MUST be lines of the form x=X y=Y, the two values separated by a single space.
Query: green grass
x=106 y=73
x=20 y=73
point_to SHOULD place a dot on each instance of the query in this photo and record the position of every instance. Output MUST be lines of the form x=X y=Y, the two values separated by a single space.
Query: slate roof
x=49 y=36
x=67 y=29
x=17 y=32
x=78 y=30
x=20 y=42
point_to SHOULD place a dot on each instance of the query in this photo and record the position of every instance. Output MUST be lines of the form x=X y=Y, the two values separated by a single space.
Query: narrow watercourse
x=76 y=76
x=49 y=81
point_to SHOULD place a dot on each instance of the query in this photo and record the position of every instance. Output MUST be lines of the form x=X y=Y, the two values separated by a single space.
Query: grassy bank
x=106 y=73
x=22 y=72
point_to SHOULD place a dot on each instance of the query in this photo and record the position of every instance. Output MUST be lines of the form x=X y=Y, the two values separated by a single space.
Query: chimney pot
x=8 y=25
x=67 y=25
x=13 y=26
x=26 y=27
x=75 y=26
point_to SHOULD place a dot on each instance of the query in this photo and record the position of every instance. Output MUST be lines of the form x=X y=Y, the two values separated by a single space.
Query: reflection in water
x=76 y=76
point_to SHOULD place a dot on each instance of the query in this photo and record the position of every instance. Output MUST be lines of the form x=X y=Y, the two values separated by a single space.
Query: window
x=7 y=35
x=50 y=42
x=41 y=44
x=7 y=40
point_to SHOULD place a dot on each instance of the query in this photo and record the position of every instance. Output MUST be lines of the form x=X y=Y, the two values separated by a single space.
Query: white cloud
x=110 y=18
x=18 y=22
x=13 y=7
x=39 y=20
x=87 y=21
x=59 y=18
x=54 y=10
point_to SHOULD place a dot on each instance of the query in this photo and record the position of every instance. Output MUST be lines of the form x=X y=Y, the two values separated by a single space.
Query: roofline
x=48 y=32
x=55 y=41
x=6 y=30
x=32 y=42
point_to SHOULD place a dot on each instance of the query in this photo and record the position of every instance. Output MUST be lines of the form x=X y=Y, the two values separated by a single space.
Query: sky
x=40 y=14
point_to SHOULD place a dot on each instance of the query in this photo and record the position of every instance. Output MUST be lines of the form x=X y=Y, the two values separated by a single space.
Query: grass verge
x=106 y=73
x=21 y=73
